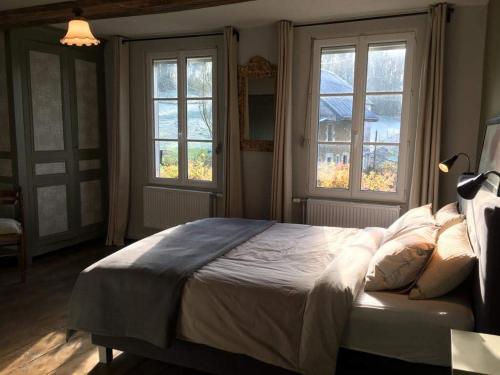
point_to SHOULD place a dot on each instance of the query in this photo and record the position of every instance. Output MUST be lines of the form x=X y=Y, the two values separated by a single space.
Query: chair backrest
x=10 y=197
x=13 y=198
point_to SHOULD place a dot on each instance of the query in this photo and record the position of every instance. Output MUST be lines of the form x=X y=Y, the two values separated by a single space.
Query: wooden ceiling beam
x=98 y=9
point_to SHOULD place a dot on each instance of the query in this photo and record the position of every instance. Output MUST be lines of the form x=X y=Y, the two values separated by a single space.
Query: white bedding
x=391 y=325
x=283 y=297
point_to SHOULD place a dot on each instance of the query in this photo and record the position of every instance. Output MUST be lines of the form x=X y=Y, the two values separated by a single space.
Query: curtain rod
x=448 y=17
x=178 y=37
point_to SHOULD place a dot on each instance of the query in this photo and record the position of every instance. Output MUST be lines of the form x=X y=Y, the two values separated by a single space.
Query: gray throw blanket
x=136 y=292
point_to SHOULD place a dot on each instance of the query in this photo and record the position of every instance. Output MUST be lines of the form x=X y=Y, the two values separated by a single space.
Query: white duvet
x=283 y=297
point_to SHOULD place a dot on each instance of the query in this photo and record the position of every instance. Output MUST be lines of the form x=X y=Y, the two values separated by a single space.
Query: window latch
x=218 y=149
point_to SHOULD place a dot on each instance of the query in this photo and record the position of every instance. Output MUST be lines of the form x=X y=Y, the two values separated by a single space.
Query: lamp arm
x=468 y=160
x=492 y=172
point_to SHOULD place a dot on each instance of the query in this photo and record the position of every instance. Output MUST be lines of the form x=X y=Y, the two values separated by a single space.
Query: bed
x=282 y=298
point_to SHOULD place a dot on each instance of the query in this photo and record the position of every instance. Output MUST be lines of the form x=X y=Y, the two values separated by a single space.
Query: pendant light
x=79 y=33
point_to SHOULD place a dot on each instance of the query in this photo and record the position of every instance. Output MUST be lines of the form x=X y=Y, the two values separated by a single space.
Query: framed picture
x=490 y=154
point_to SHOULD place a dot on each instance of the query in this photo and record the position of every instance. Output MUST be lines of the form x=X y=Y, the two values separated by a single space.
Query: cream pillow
x=9 y=226
x=449 y=266
x=411 y=220
x=399 y=262
x=448 y=216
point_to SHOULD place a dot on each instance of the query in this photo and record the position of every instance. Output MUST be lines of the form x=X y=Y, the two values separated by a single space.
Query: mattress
x=391 y=325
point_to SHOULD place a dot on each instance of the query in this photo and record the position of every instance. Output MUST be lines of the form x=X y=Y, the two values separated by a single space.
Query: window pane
x=380 y=168
x=199 y=77
x=165 y=78
x=386 y=66
x=200 y=161
x=335 y=118
x=333 y=166
x=167 y=159
x=337 y=70
x=199 y=119
x=383 y=118
x=166 y=119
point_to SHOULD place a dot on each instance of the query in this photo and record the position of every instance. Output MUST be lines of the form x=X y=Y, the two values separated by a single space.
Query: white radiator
x=350 y=214
x=165 y=207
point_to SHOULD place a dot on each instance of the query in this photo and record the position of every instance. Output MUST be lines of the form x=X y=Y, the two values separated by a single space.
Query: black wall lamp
x=468 y=189
x=447 y=164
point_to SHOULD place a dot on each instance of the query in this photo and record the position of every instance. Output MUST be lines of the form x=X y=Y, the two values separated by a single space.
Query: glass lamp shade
x=443 y=168
x=79 y=34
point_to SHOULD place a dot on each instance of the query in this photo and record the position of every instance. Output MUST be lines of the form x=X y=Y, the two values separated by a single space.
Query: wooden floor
x=33 y=318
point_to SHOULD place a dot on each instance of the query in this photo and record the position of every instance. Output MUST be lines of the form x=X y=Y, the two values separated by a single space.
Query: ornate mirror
x=256 y=98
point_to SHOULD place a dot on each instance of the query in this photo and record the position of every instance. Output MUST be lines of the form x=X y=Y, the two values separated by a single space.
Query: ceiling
x=245 y=15
x=12 y=4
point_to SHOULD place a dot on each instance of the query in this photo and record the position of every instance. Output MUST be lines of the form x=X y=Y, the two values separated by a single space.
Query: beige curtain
x=425 y=176
x=117 y=88
x=281 y=188
x=233 y=187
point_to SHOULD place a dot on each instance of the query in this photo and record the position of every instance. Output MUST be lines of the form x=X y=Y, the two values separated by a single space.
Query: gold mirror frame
x=257 y=67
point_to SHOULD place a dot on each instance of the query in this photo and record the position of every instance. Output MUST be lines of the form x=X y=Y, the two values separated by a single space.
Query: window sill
x=195 y=189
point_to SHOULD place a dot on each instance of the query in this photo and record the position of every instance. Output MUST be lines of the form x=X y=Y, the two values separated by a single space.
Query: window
x=360 y=117
x=183 y=118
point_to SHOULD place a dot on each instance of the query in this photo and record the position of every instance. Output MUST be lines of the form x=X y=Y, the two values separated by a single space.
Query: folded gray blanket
x=136 y=292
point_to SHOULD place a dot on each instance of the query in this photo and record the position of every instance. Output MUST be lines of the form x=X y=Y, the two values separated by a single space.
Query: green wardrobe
x=60 y=138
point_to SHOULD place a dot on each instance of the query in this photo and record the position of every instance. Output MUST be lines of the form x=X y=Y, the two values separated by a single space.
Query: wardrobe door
x=49 y=151
x=90 y=142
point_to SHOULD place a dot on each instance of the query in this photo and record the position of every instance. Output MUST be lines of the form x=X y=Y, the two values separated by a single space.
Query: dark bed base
x=352 y=362
x=213 y=361
x=194 y=356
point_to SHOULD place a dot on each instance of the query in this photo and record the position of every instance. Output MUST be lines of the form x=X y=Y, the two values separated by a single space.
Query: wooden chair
x=12 y=230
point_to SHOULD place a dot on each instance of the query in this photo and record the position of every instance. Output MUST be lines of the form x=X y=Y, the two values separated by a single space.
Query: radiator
x=165 y=207
x=350 y=214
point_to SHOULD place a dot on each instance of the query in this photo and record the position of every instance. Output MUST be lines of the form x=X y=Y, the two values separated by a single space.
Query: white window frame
x=361 y=44
x=181 y=57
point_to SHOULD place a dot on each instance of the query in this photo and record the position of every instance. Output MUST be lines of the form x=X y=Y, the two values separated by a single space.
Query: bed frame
x=483 y=220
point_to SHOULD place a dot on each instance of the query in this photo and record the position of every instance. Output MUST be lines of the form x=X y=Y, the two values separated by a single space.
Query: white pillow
x=9 y=226
x=411 y=220
x=449 y=266
x=448 y=216
x=399 y=262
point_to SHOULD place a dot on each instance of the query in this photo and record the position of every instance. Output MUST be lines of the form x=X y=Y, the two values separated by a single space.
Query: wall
x=257 y=166
x=491 y=76
x=7 y=167
x=463 y=84
x=462 y=96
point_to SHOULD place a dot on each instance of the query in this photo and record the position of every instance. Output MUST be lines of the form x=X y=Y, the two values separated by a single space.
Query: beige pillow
x=448 y=216
x=9 y=226
x=399 y=262
x=449 y=266
x=411 y=220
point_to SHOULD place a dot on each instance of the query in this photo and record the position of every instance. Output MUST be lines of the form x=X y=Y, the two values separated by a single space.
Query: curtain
x=233 y=186
x=117 y=87
x=425 y=176
x=281 y=187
